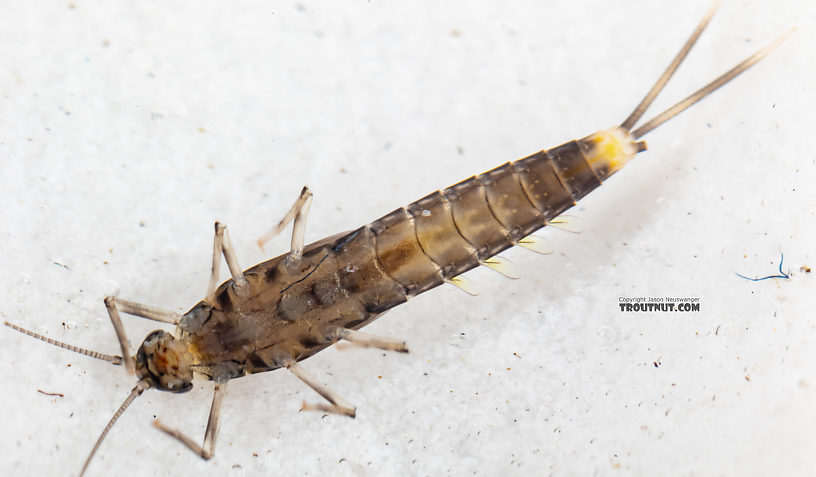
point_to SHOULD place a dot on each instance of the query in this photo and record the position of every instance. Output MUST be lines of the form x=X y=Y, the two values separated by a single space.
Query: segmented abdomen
x=451 y=231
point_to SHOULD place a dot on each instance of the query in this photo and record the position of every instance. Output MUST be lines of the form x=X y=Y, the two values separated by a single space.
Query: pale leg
x=298 y=213
x=367 y=340
x=207 y=449
x=338 y=404
x=222 y=244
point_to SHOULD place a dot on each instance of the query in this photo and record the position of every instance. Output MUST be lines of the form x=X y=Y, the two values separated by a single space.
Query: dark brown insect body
x=292 y=310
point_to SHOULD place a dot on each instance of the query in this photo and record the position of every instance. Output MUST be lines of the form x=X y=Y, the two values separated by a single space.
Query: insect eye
x=153 y=337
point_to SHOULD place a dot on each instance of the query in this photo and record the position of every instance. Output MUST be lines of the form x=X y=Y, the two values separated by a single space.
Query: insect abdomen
x=449 y=232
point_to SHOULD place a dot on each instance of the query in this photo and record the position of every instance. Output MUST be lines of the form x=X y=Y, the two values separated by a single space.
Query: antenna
x=134 y=393
x=113 y=359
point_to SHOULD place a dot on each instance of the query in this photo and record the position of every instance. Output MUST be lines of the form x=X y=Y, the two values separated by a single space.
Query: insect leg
x=222 y=244
x=207 y=449
x=298 y=213
x=366 y=340
x=115 y=305
x=338 y=404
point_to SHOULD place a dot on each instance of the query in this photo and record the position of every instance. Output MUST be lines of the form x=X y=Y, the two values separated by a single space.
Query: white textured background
x=127 y=128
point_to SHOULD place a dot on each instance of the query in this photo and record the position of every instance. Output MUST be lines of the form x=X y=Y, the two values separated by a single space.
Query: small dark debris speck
x=50 y=394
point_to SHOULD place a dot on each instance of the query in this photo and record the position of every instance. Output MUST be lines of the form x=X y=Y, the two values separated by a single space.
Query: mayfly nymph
x=282 y=311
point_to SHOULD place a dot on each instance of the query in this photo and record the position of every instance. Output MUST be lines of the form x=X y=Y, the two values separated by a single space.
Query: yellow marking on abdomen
x=609 y=150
